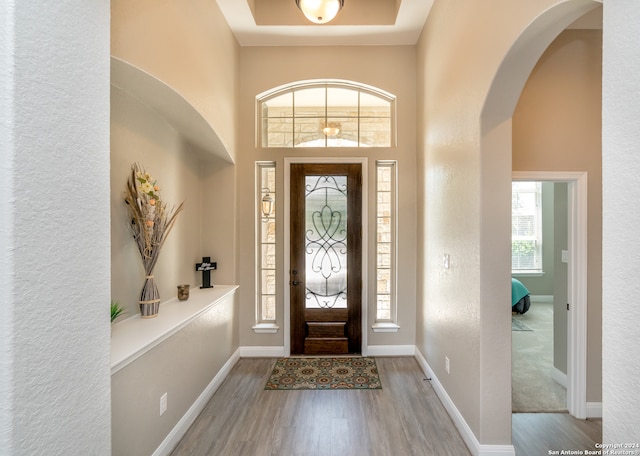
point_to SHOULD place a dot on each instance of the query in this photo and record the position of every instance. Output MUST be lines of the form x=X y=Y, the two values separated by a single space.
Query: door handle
x=294 y=283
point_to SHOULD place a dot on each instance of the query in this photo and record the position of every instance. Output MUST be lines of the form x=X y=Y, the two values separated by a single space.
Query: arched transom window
x=326 y=114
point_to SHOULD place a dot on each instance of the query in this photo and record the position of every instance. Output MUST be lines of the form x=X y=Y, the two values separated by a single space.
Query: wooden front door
x=326 y=250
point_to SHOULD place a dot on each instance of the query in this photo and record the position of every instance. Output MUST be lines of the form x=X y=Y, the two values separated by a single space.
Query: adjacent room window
x=386 y=228
x=326 y=114
x=526 y=227
x=266 y=247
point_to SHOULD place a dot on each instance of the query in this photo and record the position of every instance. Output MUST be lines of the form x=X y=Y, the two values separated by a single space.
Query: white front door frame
x=577 y=290
x=364 y=161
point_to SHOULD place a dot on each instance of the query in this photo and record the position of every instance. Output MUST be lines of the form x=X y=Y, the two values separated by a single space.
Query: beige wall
x=191 y=49
x=174 y=38
x=140 y=135
x=206 y=225
x=389 y=68
x=458 y=191
x=472 y=65
x=182 y=367
x=557 y=127
x=561 y=277
x=163 y=39
x=621 y=135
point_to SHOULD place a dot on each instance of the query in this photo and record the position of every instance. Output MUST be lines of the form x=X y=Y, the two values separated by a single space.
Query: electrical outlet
x=446 y=364
x=163 y=404
x=446 y=261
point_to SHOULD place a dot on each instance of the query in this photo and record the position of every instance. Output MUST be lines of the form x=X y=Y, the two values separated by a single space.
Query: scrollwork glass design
x=326 y=241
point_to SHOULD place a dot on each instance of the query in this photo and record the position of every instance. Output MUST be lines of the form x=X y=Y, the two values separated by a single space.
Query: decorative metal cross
x=206 y=267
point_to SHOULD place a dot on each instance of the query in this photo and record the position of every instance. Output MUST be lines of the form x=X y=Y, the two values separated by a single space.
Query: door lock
x=294 y=282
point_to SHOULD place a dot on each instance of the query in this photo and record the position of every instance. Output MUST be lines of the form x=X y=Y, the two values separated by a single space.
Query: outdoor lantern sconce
x=320 y=11
x=267 y=204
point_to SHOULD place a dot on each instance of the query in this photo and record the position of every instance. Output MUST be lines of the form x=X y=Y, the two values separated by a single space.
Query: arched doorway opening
x=496 y=143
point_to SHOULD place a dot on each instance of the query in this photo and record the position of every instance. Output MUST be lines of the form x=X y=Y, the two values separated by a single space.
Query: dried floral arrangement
x=151 y=223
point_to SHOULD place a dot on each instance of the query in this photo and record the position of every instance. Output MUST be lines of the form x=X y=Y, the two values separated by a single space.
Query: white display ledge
x=135 y=336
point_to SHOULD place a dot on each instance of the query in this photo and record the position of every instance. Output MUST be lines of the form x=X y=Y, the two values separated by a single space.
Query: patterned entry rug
x=324 y=374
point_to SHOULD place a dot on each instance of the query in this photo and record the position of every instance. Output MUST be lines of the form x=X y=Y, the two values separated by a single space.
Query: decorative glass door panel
x=326 y=242
x=326 y=246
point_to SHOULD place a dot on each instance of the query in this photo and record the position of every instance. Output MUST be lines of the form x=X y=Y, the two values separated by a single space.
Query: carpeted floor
x=517 y=325
x=324 y=373
x=533 y=389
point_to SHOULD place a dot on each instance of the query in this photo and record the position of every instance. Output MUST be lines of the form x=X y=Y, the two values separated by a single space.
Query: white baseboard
x=261 y=352
x=372 y=350
x=541 y=298
x=180 y=429
x=558 y=376
x=496 y=450
x=476 y=448
x=594 y=409
x=390 y=350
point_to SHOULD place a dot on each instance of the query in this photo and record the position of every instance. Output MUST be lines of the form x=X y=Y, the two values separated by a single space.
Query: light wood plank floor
x=535 y=434
x=404 y=418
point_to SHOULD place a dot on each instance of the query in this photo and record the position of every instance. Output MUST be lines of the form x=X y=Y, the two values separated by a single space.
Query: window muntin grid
x=296 y=116
x=526 y=227
x=266 y=275
x=386 y=222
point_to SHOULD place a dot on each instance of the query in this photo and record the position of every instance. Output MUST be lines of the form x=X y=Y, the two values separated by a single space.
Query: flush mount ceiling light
x=320 y=11
x=331 y=129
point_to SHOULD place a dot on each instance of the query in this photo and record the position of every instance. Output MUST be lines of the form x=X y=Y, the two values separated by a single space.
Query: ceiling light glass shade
x=331 y=129
x=320 y=11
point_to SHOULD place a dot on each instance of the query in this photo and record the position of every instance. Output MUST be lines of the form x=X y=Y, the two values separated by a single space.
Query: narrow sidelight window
x=386 y=241
x=265 y=243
